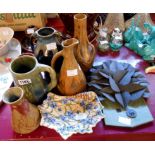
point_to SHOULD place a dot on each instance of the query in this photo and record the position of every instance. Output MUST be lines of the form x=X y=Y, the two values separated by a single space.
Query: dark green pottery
x=29 y=75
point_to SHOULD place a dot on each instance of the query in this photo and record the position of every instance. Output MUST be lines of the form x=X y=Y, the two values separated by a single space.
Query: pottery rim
x=44 y=36
x=3 y=49
x=80 y=16
x=10 y=36
x=9 y=92
x=31 y=57
x=70 y=42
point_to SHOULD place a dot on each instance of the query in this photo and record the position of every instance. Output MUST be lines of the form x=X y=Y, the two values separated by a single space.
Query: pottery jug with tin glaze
x=25 y=116
x=71 y=79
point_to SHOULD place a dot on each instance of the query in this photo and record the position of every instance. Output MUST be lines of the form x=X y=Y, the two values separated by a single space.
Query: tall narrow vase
x=25 y=116
x=85 y=52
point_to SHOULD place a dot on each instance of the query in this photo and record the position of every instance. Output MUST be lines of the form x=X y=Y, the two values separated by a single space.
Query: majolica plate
x=5 y=60
x=69 y=115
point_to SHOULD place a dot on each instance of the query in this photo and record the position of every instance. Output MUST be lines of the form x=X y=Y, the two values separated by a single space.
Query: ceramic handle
x=45 y=68
x=56 y=56
x=33 y=36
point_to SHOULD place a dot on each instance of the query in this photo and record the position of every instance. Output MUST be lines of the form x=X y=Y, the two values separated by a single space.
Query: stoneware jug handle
x=45 y=68
x=56 y=56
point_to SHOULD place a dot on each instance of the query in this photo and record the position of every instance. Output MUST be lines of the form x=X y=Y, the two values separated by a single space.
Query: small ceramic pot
x=103 y=39
x=47 y=44
x=116 y=41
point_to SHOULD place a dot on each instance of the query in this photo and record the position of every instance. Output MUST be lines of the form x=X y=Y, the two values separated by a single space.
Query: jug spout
x=13 y=96
x=70 y=42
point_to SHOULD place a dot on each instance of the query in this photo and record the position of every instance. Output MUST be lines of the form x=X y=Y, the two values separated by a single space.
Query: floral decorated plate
x=71 y=114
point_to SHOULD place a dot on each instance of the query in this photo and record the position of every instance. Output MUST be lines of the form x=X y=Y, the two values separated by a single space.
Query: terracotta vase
x=71 y=79
x=68 y=21
x=114 y=20
x=25 y=116
x=85 y=52
x=140 y=19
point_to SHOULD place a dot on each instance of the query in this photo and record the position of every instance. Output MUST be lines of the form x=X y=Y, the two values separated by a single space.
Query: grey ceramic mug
x=26 y=72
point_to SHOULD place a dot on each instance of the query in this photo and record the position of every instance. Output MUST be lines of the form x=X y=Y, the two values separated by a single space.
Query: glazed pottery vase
x=28 y=74
x=114 y=20
x=71 y=79
x=116 y=40
x=68 y=21
x=48 y=43
x=25 y=116
x=103 y=39
x=85 y=52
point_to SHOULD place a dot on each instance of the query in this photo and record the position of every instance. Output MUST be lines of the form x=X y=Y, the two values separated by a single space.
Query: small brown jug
x=25 y=116
x=71 y=79
x=85 y=52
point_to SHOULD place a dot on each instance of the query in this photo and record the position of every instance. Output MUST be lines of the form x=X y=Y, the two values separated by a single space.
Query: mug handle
x=50 y=70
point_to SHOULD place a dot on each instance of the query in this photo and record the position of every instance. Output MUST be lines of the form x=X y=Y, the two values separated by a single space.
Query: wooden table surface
x=100 y=132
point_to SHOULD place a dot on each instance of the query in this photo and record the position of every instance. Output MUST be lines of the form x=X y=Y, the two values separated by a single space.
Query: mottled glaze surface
x=32 y=82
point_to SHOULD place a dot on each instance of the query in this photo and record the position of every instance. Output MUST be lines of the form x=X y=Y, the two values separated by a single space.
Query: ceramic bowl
x=6 y=34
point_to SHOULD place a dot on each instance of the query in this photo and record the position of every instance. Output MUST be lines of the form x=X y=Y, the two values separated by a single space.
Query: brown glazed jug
x=25 y=116
x=85 y=52
x=71 y=79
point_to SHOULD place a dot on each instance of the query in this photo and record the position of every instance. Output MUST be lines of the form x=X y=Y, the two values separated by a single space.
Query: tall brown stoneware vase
x=85 y=52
